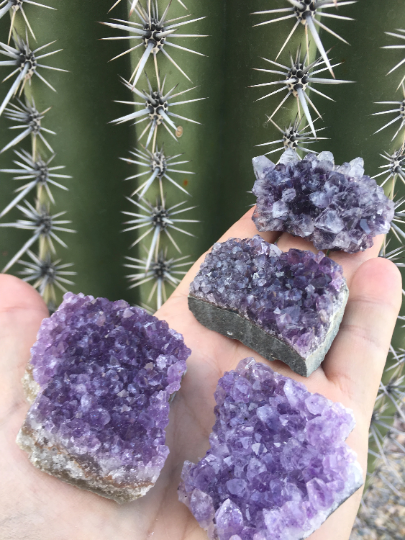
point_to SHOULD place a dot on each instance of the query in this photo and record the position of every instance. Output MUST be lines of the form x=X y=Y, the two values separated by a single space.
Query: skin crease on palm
x=36 y=506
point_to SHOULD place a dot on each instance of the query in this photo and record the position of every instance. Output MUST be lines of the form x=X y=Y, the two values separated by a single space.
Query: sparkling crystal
x=283 y=305
x=278 y=464
x=104 y=372
x=335 y=207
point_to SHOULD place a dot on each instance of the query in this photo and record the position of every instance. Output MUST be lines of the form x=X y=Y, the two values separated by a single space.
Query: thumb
x=21 y=312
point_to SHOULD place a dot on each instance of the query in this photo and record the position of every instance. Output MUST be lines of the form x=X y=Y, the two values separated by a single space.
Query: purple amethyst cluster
x=283 y=305
x=334 y=207
x=104 y=373
x=278 y=465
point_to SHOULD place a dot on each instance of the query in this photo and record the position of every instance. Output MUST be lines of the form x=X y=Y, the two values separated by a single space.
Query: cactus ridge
x=155 y=33
x=42 y=270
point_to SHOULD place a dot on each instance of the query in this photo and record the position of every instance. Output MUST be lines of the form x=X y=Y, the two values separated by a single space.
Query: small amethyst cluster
x=278 y=465
x=292 y=295
x=106 y=372
x=334 y=207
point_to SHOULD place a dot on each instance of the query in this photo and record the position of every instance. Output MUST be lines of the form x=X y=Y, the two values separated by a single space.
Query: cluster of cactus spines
x=134 y=3
x=398 y=110
x=13 y=6
x=24 y=60
x=32 y=167
x=304 y=12
x=401 y=35
x=294 y=137
x=155 y=32
x=159 y=220
x=300 y=77
x=162 y=270
x=298 y=80
x=158 y=165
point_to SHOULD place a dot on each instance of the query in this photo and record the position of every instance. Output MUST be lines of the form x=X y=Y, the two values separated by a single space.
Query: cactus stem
x=394 y=391
x=17 y=5
x=399 y=357
x=159 y=219
x=38 y=171
x=157 y=111
x=159 y=164
x=154 y=32
x=377 y=421
x=400 y=36
x=399 y=217
x=162 y=270
x=30 y=118
x=293 y=137
x=26 y=62
x=46 y=274
x=134 y=4
x=42 y=224
x=394 y=166
x=296 y=82
x=399 y=109
x=305 y=12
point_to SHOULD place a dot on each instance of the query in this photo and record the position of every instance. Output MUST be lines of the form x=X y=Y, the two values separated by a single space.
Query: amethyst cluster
x=335 y=207
x=278 y=465
x=285 y=306
x=103 y=373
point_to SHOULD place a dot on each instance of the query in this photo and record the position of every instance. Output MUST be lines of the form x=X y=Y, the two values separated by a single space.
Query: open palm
x=35 y=506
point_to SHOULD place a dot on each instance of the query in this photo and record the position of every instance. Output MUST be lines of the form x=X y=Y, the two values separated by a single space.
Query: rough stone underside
x=278 y=464
x=285 y=306
x=334 y=207
x=104 y=373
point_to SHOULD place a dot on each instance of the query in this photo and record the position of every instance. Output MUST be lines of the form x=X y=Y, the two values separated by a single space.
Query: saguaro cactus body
x=85 y=143
x=219 y=151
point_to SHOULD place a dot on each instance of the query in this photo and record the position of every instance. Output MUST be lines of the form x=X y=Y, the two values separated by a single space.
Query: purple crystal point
x=278 y=465
x=103 y=372
x=334 y=207
x=286 y=306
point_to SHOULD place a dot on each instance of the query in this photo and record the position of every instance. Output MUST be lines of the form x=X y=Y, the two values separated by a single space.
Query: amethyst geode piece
x=286 y=306
x=278 y=465
x=103 y=373
x=334 y=207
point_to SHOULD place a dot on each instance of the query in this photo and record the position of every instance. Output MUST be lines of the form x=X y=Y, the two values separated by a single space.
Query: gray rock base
x=50 y=458
x=232 y=325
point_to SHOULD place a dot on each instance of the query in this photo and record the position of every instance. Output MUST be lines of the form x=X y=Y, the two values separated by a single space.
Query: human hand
x=35 y=506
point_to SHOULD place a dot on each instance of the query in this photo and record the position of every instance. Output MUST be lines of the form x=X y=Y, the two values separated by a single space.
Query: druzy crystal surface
x=286 y=306
x=104 y=372
x=278 y=464
x=335 y=207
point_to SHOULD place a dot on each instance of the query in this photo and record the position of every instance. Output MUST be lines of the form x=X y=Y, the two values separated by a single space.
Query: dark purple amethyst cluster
x=335 y=207
x=278 y=465
x=297 y=297
x=106 y=371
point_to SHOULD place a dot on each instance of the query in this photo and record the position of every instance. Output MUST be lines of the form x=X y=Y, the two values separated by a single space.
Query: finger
x=21 y=312
x=350 y=262
x=288 y=241
x=243 y=228
x=356 y=359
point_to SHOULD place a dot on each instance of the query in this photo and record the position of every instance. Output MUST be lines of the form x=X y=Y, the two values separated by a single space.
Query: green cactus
x=234 y=128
